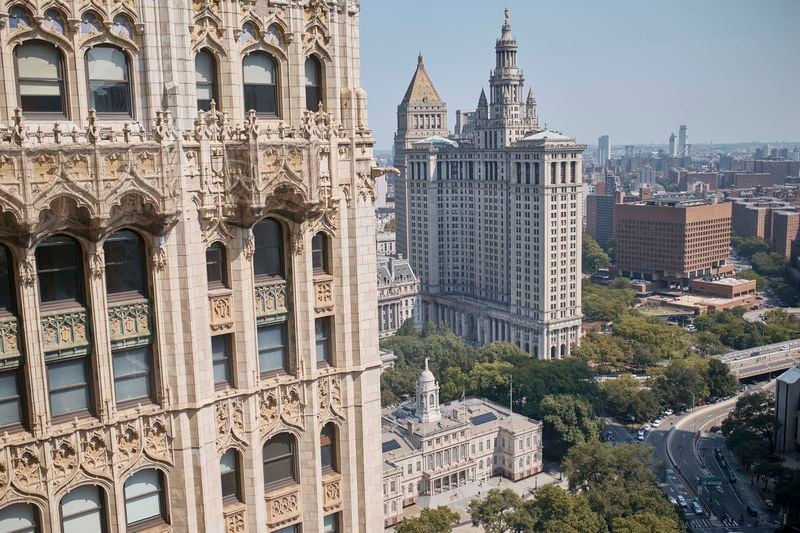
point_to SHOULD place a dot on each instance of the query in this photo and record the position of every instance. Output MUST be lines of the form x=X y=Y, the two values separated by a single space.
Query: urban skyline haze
x=593 y=71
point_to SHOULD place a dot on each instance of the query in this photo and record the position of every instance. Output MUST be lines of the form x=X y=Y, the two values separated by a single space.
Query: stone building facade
x=490 y=218
x=430 y=449
x=188 y=324
x=398 y=295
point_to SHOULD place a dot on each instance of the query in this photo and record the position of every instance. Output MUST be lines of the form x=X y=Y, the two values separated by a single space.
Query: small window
x=41 y=81
x=7 y=285
x=319 y=253
x=82 y=510
x=216 y=266
x=322 y=333
x=279 y=460
x=331 y=523
x=260 y=84
x=272 y=348
x=54 y=21
x=19 y=18
x=206 y=78
x=125 y=264
x=20 y=518
x=133 y=374
x=59 y=266
x=289 y=529
x=144 y=498
x=313 y=84
x=229 y=474
x=11 y=402
x=109 y=80
x=69 y=386
x=268 y=258
x=327 y=448
x=221 y=351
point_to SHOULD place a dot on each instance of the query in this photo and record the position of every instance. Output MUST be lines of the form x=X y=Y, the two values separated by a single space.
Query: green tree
x=748 y=247
x=501 y=511
x=680 y=385
x=557 y=511
x=650 y=340
x=490 y=380
x=750 y=427
x=646 y=523
x=625 y=398
x=707 y=343
x=567 y=421
x=594 y=258
x=501 y=351
x=769 y=264
x=787 y=493
x=761 y=281
x=407 y=329
x=605 y=351
x=439 y=520
x=719 y=379
x=605 y=303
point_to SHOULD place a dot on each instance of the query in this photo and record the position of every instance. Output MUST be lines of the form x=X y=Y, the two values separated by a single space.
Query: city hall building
x=188 y=315
x=490 y=216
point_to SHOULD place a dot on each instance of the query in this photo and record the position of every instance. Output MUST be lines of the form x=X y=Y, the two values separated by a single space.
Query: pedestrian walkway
x=699 y=523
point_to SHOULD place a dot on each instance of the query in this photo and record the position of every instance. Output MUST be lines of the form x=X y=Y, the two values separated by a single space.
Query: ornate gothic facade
x=188 y=333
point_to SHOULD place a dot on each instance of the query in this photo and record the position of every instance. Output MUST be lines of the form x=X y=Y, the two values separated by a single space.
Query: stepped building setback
x=490 y=217
x=188 y=315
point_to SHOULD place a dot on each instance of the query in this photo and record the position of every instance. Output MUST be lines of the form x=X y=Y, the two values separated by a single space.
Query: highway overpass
x=766 y=359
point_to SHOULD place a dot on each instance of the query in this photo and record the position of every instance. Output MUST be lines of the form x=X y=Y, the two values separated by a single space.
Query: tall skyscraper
x=493 y=216
x=672 y=152
x=603 y=150
x=682 y=138
x=188 y=315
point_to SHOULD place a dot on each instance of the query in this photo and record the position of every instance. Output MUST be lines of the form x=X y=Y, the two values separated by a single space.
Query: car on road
x=682 y=501
x=696 y=507
x=646 y=427
x=752 y=511
x=673 y=501
x=640 y=435
x=656 y=422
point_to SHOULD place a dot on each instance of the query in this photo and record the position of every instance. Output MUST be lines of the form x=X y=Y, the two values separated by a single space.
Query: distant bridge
x=762 y=360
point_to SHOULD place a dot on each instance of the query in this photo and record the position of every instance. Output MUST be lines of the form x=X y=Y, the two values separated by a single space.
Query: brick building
x=773 y=220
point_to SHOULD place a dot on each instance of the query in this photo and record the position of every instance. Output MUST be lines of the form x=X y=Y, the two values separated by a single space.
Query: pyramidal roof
x=421 y=88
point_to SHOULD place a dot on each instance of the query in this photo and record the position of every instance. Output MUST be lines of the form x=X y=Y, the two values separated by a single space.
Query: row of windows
x=41 y=81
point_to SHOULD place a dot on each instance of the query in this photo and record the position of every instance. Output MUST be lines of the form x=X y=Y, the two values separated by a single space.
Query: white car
x=682 y=501
x=668 y=412
x=646 y=427
x=656 y=423
x=696 y=507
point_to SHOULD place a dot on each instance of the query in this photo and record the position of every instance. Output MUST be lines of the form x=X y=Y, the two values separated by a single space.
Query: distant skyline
x=630 y=69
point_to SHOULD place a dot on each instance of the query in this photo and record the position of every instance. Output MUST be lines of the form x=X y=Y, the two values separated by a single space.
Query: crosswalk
x=699 y=523
x=730 y=522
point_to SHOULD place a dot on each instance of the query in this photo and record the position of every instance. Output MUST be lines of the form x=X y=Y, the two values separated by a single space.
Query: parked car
x=673 y=501
x=696 y=507
x=682 y=501
x=640 y=435
x=668 y=412
x=752 y=511
x=646 y=427
x=656 y=423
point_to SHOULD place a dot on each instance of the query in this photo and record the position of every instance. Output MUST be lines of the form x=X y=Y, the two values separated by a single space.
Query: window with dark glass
x=279 y=460
x=205 y=67
x=145 y=498
x=11 y=402
x=331 y=523
x=40 y=75
x=327 y=448
x=313 y=84
x=20 y=518
x=268 y=258
x=221 y=356
x=272 y=348
x=133 y=374
x=125 y=264
x=7 y=287
x=319 y=253
x=260 y=84
x=229 y=474
x=69 y=386
x=109 y=80
x=216 y=266
x=59 y=266
x=290 y=529
x=82 y=510
x=322 y=334
x=19 y=18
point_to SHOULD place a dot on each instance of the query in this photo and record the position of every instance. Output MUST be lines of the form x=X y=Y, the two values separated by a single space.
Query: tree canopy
x=439 y=520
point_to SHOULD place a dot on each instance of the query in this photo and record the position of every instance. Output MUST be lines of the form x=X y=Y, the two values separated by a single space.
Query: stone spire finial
x=506 y=14
x=420 y=62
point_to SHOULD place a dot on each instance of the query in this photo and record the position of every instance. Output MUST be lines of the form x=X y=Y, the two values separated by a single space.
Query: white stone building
x=490 y=219
x=188 y=324
x=431 y=449
x=386 y=243
x=398 y=295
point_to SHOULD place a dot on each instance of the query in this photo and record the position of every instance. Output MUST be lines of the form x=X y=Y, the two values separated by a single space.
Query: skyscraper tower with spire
x=490 y=216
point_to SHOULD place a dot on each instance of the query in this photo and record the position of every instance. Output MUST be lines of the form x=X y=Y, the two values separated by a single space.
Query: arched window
x=59 y=266
x=249 y=33
x=82 y=510
x=313 y=84
x=145 y=500
x=229 y=474
x=328 y=448
x=260 y=84
x=205 y=66
x=126 y=273
x=319 y=253
x=54 y=21
x=279 y=460
x=20 y=518
x=7 y=286
x=122 y=26
x=90 y=23
x=216 y=266
x=19 y=18
x=40 y=74
x=109 y=80
x=268 y=258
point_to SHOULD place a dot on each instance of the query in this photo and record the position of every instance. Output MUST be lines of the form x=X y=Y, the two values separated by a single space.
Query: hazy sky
x=635 y=69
